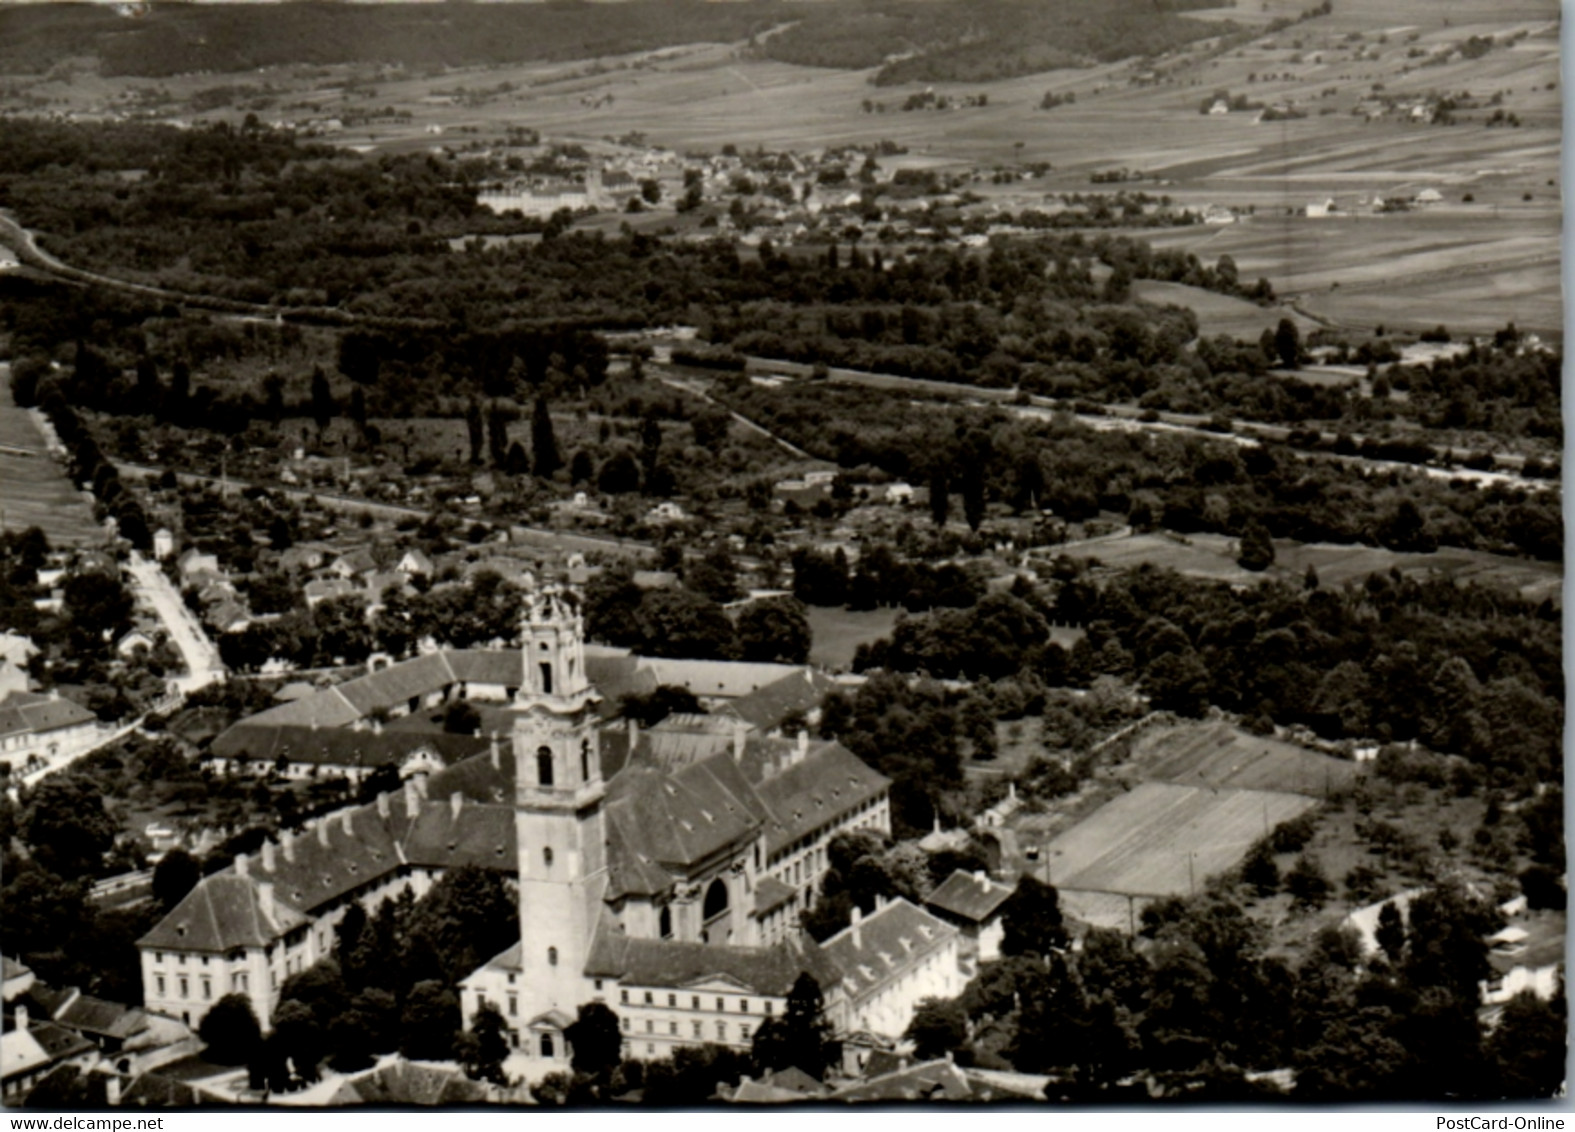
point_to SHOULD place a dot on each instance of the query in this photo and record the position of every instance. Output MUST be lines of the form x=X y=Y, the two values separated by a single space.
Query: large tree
x=775 y=629
x=67 y=827
x=1031 y=919
x=802 y=1037
x=231 y=1031
x=596 y=1040
x=544 y=443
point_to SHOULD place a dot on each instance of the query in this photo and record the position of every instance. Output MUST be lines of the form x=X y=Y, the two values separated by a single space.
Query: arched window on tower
x=544 y=766
x=546 y=678
x=665 y=923
x=585 y=760
x=546 y=855
x=552 y=956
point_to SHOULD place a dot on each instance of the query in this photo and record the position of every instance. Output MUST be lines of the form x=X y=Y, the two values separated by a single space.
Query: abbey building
x=661 y=871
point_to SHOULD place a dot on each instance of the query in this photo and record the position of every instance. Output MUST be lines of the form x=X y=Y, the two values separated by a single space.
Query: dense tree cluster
x=1198 y=1002
x=1184 y=483
x=677 y=621
x=1468 y=669
x=392 y=984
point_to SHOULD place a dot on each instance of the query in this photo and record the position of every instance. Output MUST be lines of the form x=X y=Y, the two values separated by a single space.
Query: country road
x=1132 y=418
x=203 y=666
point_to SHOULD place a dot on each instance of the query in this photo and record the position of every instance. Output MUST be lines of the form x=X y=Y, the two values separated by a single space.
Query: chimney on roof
x=242 y=864
x=19 y=1013
x=978 y=875
x=322 y=833
x=412 y=798
x=1011 y=790
x=740 y=730
x=267 y=856
x=456 y=803
x=382 y=804
x=634 y=734
x=803 y=745
x=377 y=726
x=346 y=817
x=112 y=1090
x=492 y=752
x=265 y=901
x=287 y=843
x=858 y=936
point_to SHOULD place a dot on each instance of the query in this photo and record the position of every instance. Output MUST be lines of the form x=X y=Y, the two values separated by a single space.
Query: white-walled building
x=661 y=871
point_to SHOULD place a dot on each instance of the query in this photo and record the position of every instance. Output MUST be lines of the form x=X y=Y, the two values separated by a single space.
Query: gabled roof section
x=398 y=683
x=505 y=667
x=928 y=1081
x=223 y=912
x=829 y=780
x=677 y=963
x=340 y=746
x=36 y=713
x=886 y=942
x=722 y=679
x=968 y=896
x=327 y=708
x=91 y=1015
x=798 y=693
x=683 y=818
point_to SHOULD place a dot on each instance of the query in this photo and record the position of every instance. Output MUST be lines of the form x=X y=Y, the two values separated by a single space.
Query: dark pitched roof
x=92 y=1015
x=224 y=911
x=152 y=1090
x=488 y=666
x=766 y=708
x=339 y=746
x=771 y=894
x=680 y=963
x=36 y=713
x=398 y=683
x=618 y=676
x=928 y=1081
x=829 y=780
x=405 y=1083
x=682 y=818
x=446 y=835
x=967 y=896
x=886 y=941
x=58 y=1041
x=316 y=867
x=327 y=708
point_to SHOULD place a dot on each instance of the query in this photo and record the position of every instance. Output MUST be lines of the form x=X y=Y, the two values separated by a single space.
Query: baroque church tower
x=558 y=804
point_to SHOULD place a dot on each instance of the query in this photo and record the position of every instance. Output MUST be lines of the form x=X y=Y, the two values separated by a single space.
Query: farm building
x=972 y=902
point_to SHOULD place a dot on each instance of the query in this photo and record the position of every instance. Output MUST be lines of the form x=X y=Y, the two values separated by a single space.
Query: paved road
x=203 y=666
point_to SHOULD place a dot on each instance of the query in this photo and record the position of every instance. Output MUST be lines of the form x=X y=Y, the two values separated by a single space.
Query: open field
x=1219 y=314
x=34 y=490
x=1470 y=265
x=1161 y=839
x=1217 y=754
x=1214 y=556
x=838 y=632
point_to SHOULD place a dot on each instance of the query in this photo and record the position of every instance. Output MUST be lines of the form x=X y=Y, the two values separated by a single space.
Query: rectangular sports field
x=1161 y=839
x=1217 y=754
